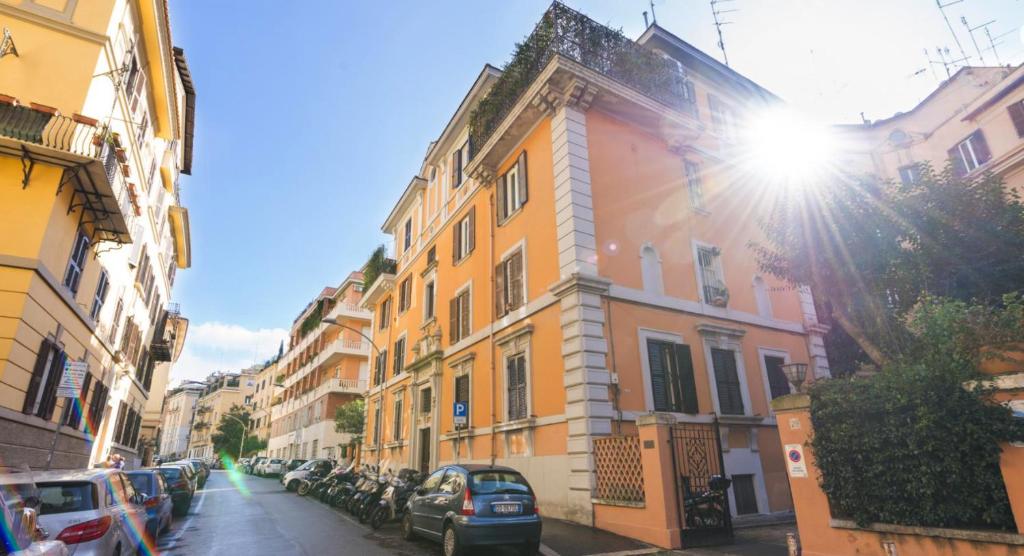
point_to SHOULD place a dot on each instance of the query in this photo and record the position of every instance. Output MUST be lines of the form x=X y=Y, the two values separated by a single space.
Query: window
x=459 y=159
x=1017 y=116
x=381 y=369
x=433 y=481
x=727 y=381
x=462 y=392
x=723 y=119
x=407 y=236
x=425 y=400
x=743 y=490
x=143 y=126
x=909 y=174
x=376 y=423
x=41 y=396
x=428 y=300
x=509 y=287
x=396 y=429
x=451 y=484
x=694 y=185
x=650 y=270
x=778 y=384
x=118 y=309
x=76 y=263
x=671 y=372
x=709 y=266
x=432 y=255
x=404 y=295
x=385 y=313
x=399 y=356
x=463 y=236
x=100 y=296
x=969 y=154
x=515 y=377
x=459 y=317
x=512 y=191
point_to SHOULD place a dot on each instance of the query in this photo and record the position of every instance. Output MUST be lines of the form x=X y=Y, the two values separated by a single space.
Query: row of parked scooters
x=370 y=495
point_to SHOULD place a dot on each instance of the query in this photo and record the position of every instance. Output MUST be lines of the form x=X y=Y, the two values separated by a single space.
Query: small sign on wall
x=795 y=461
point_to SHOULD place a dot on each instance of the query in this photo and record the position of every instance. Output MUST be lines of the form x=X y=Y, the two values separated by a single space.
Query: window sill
x=463 y=259
x=428 y=322
x=430 y=266
x=395 y=444
x=460 y=433
x=511 y=215
x=518 y=424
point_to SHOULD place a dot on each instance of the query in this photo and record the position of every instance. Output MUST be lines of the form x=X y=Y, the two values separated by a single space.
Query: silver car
x=19 y=500
x=93 y=511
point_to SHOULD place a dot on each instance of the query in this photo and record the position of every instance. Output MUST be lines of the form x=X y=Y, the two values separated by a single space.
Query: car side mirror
x=139 y=498
x=29 y=519
x=421 y=491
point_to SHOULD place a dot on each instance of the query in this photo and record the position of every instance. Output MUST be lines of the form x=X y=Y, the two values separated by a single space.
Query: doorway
x=425 y=450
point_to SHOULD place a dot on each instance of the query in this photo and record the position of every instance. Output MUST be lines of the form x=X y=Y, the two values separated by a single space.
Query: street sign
x=461 y=412
x=71 y=381
x=795 y=460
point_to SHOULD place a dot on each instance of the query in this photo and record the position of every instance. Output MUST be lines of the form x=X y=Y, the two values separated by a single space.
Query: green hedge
x=911 y=446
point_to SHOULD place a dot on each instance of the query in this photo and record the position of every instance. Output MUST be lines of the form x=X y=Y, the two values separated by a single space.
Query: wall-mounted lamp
x=797 y=374
x=7 y=44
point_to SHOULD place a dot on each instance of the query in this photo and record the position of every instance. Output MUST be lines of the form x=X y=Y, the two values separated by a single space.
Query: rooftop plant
x=378 y=264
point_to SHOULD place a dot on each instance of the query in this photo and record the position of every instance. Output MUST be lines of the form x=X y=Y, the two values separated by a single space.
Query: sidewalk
x=562 y=538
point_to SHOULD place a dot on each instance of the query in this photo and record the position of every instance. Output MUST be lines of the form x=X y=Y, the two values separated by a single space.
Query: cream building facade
x=263 y=396
x=223 y=392
x=179 y=410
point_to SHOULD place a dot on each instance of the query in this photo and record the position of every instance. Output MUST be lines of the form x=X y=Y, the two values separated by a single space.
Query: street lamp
x=380 y=387
x=245 y=431
x=797 y=374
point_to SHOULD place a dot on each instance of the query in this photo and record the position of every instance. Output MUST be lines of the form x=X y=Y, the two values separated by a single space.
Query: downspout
x=490 y=326
x=614 y=369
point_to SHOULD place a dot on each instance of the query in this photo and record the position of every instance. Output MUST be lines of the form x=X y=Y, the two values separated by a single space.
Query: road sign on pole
x=461 y=412
x=71 y=381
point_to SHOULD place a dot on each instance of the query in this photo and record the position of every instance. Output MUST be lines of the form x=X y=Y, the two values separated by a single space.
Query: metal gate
x=700 y=484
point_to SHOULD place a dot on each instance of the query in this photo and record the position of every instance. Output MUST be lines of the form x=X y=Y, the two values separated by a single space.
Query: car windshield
x=143 y=482
x=277 y=461
x=308 y=465
x=498 y=482
x=59 y=498
x=171 y=472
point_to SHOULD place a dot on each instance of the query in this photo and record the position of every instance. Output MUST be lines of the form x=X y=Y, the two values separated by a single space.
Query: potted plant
x=121 y=155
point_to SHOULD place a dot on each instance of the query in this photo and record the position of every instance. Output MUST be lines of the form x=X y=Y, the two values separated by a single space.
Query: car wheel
x=450 y=542
x=293 y=485
x=407 y=531
x=530 y=549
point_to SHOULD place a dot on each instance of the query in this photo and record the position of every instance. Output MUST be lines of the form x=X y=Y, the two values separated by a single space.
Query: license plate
x=507 y=508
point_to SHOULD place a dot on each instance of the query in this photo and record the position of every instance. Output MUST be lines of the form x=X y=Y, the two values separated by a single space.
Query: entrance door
x=425 y=450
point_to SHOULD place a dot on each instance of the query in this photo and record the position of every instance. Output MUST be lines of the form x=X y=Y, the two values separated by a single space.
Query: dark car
x=159 y=503
x=188 y=471
x=202 y=470
x=293 y=464
x=475 y=505
x=178 y=486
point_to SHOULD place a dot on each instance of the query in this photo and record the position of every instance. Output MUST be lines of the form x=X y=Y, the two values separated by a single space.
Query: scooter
x=393 y=502
x=369 y=502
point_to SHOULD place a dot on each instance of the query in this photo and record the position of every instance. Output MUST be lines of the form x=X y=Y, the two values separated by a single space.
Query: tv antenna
x=945 y=60
x=717 y=12
x=994 y=41
x=942 y=10
x=971 y=30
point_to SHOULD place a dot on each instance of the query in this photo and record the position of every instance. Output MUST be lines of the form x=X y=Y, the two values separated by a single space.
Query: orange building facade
x=582 y=263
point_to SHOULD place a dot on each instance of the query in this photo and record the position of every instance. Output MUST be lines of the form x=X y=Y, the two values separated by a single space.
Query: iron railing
x=566 y=32
x=68 y=134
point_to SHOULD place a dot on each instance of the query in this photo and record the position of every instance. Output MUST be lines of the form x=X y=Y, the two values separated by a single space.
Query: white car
x=272 y=467
x=18 y=520
x=292 y=478
x=95 y=511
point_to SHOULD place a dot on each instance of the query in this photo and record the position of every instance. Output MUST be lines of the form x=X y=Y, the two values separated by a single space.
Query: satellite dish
x=900 y=138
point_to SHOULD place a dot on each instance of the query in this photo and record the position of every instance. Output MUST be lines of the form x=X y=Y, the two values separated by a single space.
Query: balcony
x=41 y=135
x=566 y=33
x=331 y=386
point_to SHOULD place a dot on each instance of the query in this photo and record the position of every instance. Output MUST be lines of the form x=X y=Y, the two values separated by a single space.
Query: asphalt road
x=255 y=516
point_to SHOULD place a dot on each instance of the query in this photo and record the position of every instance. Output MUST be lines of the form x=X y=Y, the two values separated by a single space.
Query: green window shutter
x=686 y=381
x=35 y=381
x=778 y=384
x=730 y=398
x=659 y=375
x=49 y=401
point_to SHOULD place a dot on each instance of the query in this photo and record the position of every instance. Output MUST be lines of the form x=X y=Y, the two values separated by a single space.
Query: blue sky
x=311 y=122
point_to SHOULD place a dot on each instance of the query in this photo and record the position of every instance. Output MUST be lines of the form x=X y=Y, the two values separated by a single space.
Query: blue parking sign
x=461 y=411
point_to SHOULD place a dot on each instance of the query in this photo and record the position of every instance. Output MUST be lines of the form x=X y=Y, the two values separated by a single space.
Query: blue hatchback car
x=475 y=505
x=159 y=505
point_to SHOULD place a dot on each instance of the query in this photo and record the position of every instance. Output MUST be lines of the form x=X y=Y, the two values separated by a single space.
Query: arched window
x=764 y=301
x=650 y=270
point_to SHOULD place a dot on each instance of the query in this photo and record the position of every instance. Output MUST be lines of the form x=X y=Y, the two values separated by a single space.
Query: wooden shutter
x=730 y=399
x=1017 y=115
x=456 y=167
x=523 y=189
x=464 y=314
x=501 y=212
x=516 y=369
x=981 y=151
x=38 y=372
x=515 y=280
x=456 y=241
x=500 y=305
x=99 y=401
x=453 y=320
x=778 y=384
x=659 y=374
x=685 y=378
x=959 y=170
x=122 y=412
x=471 y=243
x=49 y=400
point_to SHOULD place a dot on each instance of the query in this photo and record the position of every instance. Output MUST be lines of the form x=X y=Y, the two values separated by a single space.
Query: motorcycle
x=349 y=498
x=374 y=493
x=393 y=502
x=709 y=508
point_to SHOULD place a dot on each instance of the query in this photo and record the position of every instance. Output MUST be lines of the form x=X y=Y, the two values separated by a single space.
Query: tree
x=230 y=430
x=869 y=250
x=378 y=264
x=351 y=418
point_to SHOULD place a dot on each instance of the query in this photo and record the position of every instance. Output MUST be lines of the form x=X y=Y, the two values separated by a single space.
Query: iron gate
x=700 y=487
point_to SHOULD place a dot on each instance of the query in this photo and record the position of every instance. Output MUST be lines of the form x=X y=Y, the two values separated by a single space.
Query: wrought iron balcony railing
x=566 y=32
x=74 y=134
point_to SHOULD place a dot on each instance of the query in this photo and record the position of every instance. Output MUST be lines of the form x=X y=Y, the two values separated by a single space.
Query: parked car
x=293 y=477
x=96 y=510
x=20 y=534
x=201 y=468
x=294 y=464
x=178 y=486
x=475 y=505
x=190 y=473
x=254 y=464
x=272 y=467
x=159 y=505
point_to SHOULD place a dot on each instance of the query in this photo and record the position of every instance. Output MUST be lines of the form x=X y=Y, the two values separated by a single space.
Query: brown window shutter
x=980 y=147
x=456 y=241
x=501 y=212
x=515 y=280
x=453 y=320
x=523 y=189
x=959 y=170
x=35 y=382
x=49 y=400
x=456 y=167
x=1017 y=115
x=471 y=243
x=499 y=290
x=77 y=407
x=464 y=315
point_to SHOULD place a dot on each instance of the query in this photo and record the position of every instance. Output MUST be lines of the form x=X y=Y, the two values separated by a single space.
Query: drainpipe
x=494 y=371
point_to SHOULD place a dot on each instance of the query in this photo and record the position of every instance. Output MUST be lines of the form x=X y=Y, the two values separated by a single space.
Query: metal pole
x=53 y=445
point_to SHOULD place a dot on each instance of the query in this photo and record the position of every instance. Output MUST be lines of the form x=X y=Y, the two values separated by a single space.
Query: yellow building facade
x=224 y=392
x=577 y=259
x=96 y=112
